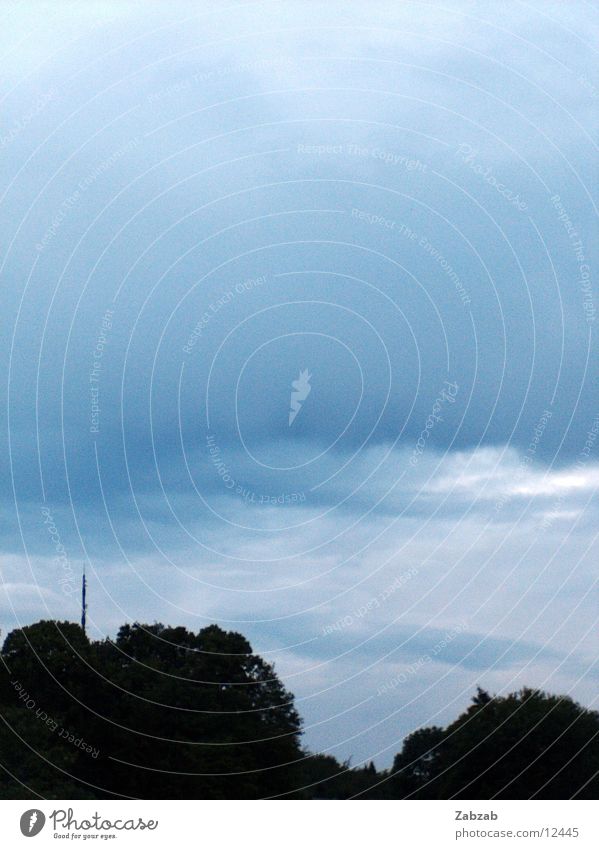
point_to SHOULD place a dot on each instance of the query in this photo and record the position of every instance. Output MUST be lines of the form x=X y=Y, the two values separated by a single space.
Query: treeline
x=165 y=713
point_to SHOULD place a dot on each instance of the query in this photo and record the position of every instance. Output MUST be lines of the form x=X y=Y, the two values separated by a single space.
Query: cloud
x=490 y=473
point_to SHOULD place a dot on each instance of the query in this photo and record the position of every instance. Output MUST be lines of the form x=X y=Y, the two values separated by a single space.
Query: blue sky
x=399 y=199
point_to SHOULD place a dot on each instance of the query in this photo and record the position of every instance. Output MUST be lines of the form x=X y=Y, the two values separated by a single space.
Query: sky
x=299 y=337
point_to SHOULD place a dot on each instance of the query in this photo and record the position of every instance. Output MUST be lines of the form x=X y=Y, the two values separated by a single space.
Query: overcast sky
x=394 y=199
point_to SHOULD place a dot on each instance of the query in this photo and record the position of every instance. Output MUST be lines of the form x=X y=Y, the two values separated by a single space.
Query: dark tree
x=41 y=677
x=525 y=745
x=323 y=777
x=168 y=714
x=416 y=767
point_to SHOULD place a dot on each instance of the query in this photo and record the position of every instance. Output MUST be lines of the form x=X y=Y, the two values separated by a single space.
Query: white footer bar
x=291 y=824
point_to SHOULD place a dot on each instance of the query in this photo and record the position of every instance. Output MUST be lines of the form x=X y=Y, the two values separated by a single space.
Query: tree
x=416 y=767
x=524 y=745
x=170 y=713
x=163 y=712
x=324 y=777
x=41 y=676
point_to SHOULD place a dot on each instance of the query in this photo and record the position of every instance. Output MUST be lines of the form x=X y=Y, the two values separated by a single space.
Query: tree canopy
x=162 y=712
x=524 y=745
x=170 y=714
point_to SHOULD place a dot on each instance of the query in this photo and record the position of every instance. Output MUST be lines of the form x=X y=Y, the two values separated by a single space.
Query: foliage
x=524 y=745
x=170 y=713
x=163 y=712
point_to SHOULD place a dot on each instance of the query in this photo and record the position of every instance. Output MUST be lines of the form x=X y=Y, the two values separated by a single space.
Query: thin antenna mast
x=83 y=602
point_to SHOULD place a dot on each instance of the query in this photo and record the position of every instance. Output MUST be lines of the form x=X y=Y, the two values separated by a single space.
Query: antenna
x=83 y=602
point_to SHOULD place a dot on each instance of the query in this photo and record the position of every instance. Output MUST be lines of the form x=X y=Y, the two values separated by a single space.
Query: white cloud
x=487 y=473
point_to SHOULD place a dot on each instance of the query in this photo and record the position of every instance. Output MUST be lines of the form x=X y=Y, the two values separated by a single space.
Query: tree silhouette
x=171 y=714
x=163 y=712
x=524 y=745
x=417 y=766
